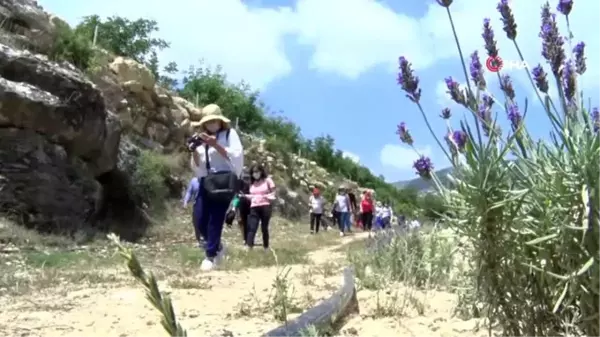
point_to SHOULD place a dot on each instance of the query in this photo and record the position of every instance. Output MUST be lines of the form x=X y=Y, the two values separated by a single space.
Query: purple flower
x=552 y=42
x=568 y=81
x=565 y=6
x=579 y=58
x=507 y=87
x=455 y=92
x=446 y=114
x=508 y=19
x=444 y=3
x=488 y=38
x=408 y=81
x=595 y=119
x=477 y=71
x=423 y=166
x=484 y=113
x=540 y=78
x=514 y=116
x=460 y=139
x=405 y=136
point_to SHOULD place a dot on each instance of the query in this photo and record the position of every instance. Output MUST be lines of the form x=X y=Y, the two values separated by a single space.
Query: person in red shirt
x=366 y=209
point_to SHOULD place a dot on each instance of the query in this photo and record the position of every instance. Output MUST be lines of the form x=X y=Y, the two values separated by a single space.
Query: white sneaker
x=207 y=265
x=341 y=234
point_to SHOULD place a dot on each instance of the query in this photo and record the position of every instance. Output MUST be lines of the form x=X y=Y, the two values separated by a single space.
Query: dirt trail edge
x=215 y=303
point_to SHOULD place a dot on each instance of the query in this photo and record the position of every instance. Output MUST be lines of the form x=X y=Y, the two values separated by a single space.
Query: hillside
x=93 y=135
x=421 y=185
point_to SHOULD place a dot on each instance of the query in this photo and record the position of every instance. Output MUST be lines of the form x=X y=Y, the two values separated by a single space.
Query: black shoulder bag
x=220 y=186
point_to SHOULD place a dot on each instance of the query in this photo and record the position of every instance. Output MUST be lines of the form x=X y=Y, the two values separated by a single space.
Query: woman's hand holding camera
x=198 y=139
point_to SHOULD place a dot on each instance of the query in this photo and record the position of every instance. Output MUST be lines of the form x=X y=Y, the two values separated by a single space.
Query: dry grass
x=31 y=261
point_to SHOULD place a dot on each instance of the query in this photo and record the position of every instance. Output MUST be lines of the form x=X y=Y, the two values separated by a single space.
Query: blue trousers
x=344 y=221
x=209 y=218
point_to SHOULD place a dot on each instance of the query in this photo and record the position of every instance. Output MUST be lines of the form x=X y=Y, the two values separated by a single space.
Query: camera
x=193 y=143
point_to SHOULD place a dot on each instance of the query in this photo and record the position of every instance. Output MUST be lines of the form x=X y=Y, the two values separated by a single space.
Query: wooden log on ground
x=327 y=313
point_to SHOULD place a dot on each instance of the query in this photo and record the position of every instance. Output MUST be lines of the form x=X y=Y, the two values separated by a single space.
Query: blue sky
x=330 y=65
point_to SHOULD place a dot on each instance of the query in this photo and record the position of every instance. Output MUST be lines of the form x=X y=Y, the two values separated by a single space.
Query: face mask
x=212 y=127
x=256 y=176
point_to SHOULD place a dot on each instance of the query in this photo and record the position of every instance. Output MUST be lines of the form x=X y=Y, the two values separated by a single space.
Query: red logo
x=494 y=64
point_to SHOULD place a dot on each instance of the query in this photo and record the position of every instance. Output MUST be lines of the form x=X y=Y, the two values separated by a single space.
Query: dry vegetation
x=54 y=287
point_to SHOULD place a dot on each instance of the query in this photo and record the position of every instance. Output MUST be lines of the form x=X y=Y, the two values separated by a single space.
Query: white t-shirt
x=341 y=203
x=217 y=162
x=316 y=204
x=386 y=212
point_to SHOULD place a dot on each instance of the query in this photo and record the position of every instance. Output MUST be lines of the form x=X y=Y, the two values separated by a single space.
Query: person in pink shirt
x=262 y=194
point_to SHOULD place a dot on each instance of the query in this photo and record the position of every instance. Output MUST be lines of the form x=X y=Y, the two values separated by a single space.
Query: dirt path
x=205 y=303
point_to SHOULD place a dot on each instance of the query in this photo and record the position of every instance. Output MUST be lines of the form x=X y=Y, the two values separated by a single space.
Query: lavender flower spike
x=446 y=114
x=444 y=3
x=565 y=6
x=507 y=87
x=455 y=92
x=477 y=71
x=540 y=78
x=579 y=58
x=596 y=119
x=514 y=116
x=408 y=81
x=488 y=38
x=423 y=166
x=568 y=81
x=460 y=140
x=552 y=42
x=405 y=136
x=508 y=19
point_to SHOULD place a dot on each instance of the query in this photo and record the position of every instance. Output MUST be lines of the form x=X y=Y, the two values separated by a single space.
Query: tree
x=124 y=37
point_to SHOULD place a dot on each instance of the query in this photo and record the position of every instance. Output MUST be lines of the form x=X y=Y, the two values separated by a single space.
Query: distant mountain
x=422 y=185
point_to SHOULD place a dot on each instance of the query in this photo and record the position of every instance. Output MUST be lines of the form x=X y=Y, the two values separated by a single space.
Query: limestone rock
x=47 y=188
x=129 y=71
x=39 y=95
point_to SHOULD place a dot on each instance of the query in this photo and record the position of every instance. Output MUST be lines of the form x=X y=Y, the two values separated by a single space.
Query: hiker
x=217 y=160
x=316 y=203
x=342 y=208
x=190 y=194
x=378 y=215
x=353 y=207
x=244 y=206
x=386 y=215
x=366 y=211
x=262 y=194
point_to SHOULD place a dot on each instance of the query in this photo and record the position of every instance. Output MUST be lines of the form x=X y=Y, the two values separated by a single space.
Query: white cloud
x=349 y=37
x=401 y=157
x=248 y=43
x=352 y=156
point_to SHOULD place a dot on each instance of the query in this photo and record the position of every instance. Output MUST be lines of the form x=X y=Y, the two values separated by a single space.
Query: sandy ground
x=220 y=303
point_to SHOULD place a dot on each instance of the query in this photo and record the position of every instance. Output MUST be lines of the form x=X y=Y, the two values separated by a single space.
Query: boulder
x=132 y=74
x=54 y=101
x=40 y=183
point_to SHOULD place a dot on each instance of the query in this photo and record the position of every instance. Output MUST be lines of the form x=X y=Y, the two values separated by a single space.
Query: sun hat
x=211 y=112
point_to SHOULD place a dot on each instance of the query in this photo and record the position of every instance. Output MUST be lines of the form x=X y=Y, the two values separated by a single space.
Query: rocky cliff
x=69 y=140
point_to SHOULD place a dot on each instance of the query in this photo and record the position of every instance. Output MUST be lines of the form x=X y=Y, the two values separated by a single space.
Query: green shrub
x=148 y=179
x=414 y=258
x=71 y=47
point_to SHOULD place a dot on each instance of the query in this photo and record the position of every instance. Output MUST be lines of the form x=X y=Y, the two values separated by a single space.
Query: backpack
x=220 y=186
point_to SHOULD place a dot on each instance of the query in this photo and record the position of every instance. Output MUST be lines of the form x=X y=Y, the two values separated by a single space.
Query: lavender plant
x=532 y=220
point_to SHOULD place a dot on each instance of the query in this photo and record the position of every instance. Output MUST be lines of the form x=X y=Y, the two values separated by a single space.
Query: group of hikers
x=345 y=211
x=223 y=189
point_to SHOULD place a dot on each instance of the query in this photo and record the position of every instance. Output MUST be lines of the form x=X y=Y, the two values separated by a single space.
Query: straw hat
x=211 y=112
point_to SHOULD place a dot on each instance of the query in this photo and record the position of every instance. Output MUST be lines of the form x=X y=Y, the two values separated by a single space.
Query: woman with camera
x=217 y=160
